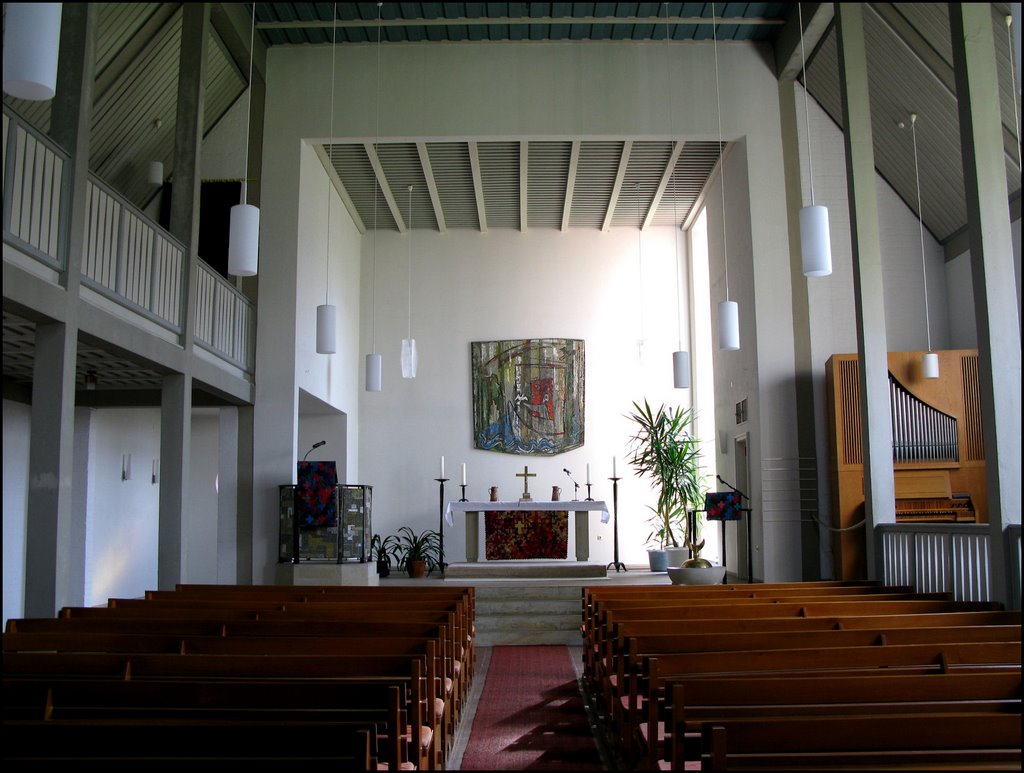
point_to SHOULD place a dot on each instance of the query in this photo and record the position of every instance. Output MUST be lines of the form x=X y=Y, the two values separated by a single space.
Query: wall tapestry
x=528 y=395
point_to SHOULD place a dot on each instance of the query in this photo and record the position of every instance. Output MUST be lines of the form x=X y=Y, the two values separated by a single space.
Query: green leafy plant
x=425 y=546
x=664 y=450
x=384 y=549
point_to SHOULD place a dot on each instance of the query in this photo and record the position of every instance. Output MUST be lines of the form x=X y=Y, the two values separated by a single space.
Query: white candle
x=463 y=473
x=614 y=473
x=588 y=473
x=442 y=468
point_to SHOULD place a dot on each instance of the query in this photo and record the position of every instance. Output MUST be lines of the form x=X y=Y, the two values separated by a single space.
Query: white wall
x=200 y=519
x=17 y=423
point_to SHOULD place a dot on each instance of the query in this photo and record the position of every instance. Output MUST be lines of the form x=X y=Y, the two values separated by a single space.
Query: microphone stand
x=750 y=535
x=576 y=486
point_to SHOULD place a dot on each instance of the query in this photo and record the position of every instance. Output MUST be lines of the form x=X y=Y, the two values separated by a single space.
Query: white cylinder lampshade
x=244 y=240
x=728 y=325
x=155 y=175
x=409 y=358
x=373 y=367
x=930 y=365
x=681 y=369
x=815 y=242
x=326 y=329
x=31 y=49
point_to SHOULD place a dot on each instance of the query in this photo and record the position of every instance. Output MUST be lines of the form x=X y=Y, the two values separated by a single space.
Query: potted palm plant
x=663 y=450
x=384 y=551
x=419 y=554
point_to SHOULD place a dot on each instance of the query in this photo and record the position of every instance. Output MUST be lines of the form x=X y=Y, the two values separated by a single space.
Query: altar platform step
x=525 y=570
x=528 y=613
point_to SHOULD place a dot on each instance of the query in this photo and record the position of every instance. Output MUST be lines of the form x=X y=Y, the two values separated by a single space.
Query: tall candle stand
x=440 y=528
x=617 y=564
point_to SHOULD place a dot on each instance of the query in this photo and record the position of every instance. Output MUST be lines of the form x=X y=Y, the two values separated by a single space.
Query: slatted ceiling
x=119 y=23
x=357 y=175
x=453 y=175
x=546 y=179
x=647 y=162
x=401 y=165
x=499 y=171
x=595 y=177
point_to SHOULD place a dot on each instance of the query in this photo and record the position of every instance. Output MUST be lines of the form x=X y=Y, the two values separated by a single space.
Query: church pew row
x=406 y=671
x=958 y=741
x=129 y=644
x=698 y=701
x=375 y=706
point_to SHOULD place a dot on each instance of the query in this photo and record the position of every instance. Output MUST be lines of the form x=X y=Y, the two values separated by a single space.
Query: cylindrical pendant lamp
x=155 y=175
x=728 y=325
x=815 y=244
x=373 y=368
x=930 y=365
x=681 y=369
x=244 y=239
x=410 y=359
x=31 y=49
x=326 y=328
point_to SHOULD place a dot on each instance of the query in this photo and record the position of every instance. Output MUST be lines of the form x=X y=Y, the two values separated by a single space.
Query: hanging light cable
x=409 y=357
x=373 y=360
x=1013 y=79
x=327 y=313
x=244 y=226
x=640 y=268
x=930 y=361
x=728 y=311
x=680 y=357
x=815 y=241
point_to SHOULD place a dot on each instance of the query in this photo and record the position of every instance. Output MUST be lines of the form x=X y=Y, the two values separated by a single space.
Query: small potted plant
x=419 y=554
x=384 y=550
x=663 y=450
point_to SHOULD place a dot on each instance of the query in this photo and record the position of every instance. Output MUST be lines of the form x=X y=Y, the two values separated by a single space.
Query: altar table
x=581 y=508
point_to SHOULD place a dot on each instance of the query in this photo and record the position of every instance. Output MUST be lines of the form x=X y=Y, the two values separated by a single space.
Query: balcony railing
x=126 y=256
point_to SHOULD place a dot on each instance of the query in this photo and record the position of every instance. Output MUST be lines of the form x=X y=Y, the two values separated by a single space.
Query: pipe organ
x=938 y=454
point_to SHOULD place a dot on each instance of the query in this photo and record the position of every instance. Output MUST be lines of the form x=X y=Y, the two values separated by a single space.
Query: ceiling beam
x=339 y=186
x=524 y=181
x=428 y=175
x=627 y=148
x=570 y=184
x=385 y=188
x=518 y=21
x=666 y=176
x=788 y=56
x=478 y=186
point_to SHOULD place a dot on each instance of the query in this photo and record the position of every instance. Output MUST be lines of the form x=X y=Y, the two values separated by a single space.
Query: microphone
x=576 y=486
x=315 y=446
x=567 y=473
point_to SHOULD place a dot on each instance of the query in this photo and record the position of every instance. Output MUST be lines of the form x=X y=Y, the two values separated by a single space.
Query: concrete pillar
x=175 y=442
x=244 y=499
x=992 y=271
x=879 y=488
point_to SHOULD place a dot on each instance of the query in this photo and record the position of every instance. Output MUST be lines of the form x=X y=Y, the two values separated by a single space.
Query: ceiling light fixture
x=410 y=359
x=244 y=233
x=31 y=49
x=374 y=362
x=815 y=241
x=930 y=361
x=728 y=311
x=327 y=313
x=680 y=357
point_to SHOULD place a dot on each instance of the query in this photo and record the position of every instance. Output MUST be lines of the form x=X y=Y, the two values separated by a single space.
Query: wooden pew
x=967 y=741
x=696 y=701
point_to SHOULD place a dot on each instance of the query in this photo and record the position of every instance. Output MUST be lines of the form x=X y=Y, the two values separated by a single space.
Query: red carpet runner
x=531 y=715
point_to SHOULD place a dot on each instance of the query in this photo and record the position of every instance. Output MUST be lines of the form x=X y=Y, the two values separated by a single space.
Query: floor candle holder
x=440 y=528
x=617 y=564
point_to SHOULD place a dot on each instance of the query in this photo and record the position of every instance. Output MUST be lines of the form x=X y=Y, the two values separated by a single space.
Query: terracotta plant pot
x=417 y=569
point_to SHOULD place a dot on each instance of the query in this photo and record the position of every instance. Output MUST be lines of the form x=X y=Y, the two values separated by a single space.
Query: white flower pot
x=710 y=575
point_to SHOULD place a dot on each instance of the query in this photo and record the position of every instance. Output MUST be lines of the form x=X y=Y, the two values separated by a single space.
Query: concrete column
x=175 y=442
x=879 y=489
x=244 y=498
x=55 y=553
x=992 y=271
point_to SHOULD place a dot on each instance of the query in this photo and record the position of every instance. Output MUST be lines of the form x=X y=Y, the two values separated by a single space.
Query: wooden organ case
x=938 y=450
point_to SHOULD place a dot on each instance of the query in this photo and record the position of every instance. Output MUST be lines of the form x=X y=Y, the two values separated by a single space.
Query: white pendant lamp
x=244 y=233
x=815 y=240
x=410 y=358
x=327 y=313
x=728 y=311
x=155 y=174
x=31 y=49
x=681 y=369
x=930 y=361
x=374 y=361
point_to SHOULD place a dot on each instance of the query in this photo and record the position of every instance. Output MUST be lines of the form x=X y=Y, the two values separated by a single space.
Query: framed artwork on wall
x=528 y=395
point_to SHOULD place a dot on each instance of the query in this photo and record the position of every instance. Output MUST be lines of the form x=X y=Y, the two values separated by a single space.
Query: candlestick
x=463 y=487
x=589 y=497
x=616 y=563
x=440 y=527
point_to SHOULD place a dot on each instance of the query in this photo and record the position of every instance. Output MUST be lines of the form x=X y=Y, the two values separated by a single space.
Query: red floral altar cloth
x=514 y=535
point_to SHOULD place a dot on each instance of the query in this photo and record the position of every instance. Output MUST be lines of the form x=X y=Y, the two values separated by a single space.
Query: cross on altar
x=526 y=475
